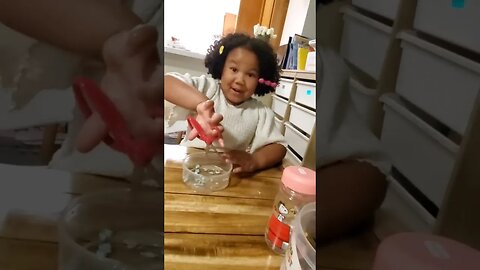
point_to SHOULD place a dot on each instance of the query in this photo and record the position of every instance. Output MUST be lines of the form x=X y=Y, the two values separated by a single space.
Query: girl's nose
x=240 y=79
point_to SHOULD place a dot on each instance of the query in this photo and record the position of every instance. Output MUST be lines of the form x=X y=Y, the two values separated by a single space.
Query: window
x=198 y=23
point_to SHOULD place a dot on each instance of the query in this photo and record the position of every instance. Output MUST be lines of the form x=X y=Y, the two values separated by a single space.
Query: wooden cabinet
x=270 y=13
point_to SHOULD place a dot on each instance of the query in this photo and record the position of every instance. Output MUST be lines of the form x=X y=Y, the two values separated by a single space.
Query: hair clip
x=220 y=50
x=267 y=82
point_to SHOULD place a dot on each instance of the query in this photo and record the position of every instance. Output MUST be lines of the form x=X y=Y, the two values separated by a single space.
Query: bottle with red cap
x=297 y=188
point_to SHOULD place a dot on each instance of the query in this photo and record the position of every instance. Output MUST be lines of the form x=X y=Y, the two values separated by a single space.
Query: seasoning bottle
x=297 y=188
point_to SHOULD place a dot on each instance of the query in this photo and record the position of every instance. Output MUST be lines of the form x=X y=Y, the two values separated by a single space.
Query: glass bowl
x=127 y=222
x=206 y=171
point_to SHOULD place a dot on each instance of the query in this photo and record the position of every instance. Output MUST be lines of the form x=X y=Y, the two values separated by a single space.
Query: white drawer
x=417 y=150
x=296 y=139
x=290 y=156
x=458 y=25
x=364 y=42
x=364 y=100
x=440 y=82
x=279 y=106
x=401 y=212
x=279 y=125
x=384 y=8
x=306 y=94
x=302 y=117
x=284 y=88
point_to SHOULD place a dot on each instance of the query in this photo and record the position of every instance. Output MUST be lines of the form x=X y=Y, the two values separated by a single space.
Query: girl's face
x=240 y=75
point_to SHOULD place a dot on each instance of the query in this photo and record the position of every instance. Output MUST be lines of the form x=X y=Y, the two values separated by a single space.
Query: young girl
x=241 y=66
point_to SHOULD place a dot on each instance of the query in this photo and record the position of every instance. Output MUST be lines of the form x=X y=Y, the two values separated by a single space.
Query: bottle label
x=291 y=258
x=278 y=232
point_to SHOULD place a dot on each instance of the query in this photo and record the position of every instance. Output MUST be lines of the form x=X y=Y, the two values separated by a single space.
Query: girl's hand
x=243 y=162
x=133 y=82
x=209 y=120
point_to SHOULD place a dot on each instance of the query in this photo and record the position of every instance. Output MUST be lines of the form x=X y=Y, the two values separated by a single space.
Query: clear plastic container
x=206 y=171
x=297 y=188
x=301 y=251
x=134 y=219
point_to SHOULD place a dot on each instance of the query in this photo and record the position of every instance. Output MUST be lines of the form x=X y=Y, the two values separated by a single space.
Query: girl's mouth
x=236 y=91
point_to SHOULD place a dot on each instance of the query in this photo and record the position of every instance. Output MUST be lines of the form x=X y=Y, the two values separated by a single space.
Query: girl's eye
x=234 y=69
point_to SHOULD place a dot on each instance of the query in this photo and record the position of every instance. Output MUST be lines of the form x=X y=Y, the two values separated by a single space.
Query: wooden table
x=222 y=230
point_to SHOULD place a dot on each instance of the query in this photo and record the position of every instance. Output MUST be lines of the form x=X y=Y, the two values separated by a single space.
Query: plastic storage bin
x=296 y=140
x=418 y=151
x=364 y=42
x=302 y=118
x=364 y=100
x=292 y=157
x=453 y=21
x=440 y=82
x=306 y=94
x=279 y=125
x=384 y=8
x=279 y=106
x=400 y=211
x=284 y=88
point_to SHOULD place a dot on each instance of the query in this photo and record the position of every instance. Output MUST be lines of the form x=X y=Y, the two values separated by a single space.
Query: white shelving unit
x=294 y=104
x=420 y=60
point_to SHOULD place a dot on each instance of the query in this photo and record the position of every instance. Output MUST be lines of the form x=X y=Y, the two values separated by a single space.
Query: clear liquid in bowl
x=206 y=172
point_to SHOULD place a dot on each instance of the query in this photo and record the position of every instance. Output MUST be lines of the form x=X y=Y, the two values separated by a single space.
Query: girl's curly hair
x=267 y=59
